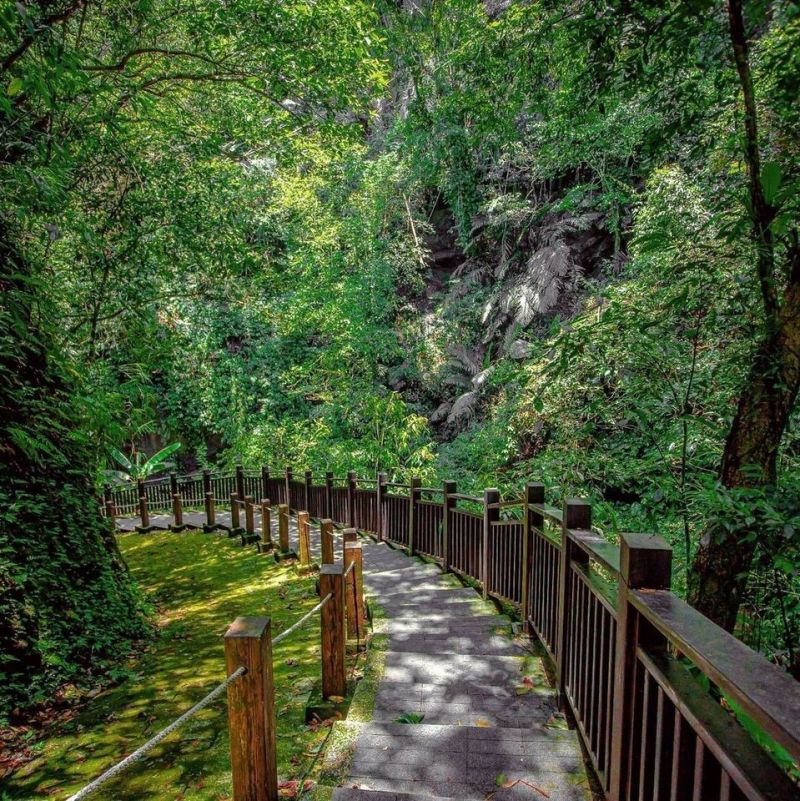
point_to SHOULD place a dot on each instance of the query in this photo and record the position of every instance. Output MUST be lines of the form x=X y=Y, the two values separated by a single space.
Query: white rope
x=284 y=634
x=154 y=741
x=349 y=568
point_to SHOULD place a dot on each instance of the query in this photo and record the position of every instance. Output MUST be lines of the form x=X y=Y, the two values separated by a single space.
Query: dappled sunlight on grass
x=199 y=583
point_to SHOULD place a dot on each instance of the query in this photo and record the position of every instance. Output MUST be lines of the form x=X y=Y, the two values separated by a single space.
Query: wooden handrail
x=766 y=693
x=597 y=548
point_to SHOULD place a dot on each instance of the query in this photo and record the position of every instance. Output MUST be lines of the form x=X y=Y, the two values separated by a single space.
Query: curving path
x=489 y=725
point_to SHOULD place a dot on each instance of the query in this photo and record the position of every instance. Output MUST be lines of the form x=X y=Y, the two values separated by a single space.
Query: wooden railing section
x=634 y=662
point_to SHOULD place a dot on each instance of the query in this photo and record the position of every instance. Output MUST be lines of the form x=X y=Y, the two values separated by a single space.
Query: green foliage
x=142 y=467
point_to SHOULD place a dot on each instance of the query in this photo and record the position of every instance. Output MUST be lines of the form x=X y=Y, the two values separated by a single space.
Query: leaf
x=15 y=86
x=120 y=457
x=500 y=779
x=483 y=724
x=409 y=717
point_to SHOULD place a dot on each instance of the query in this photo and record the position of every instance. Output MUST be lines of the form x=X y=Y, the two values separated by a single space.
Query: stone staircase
x=489 y=726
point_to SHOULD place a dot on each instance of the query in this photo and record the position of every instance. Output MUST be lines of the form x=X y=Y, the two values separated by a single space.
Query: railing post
x=490 y=516
x=351 y=499
x=211 y=515
x=534 y=494
x=354 y=590
x=327 y=512
x=307 y=479
x=240 y=481
x=288 y=484
x=206 y=482
x=249 y=520
x=380 y=491
x=283 y=528
x=111 y=516
x=264 y=483
x=266 y=527
x=303 y=537
x=251 y=710
x=173 y=483
x=144 y=514
x=331 y=582
x=448 y=489
x=645 y=563
x=577 y=514
x=413 y=496
x=177 y=513
x=326 y=541
x=107 y=493
x=349 y=535
x=236 y=526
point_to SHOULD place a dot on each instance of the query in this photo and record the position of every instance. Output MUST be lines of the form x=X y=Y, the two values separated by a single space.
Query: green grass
x=198 y=584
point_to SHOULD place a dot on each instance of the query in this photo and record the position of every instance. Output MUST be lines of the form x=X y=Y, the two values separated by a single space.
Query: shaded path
x=490 y=716
x=489 y=720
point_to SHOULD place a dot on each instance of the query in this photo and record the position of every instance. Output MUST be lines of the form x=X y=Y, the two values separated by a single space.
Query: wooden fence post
x=331 y=582
x=144 y=515
x=308 y=478
x=304 y=538
x=327 y=512
x=413 y=496
x=173 y=483
x=177 y=513
x=211 y=514
x=264 y=483
x=283 y=528
x=354 y=590
x=645 y=563
x=287 y=480
x=107 y=494
x=577 y=514
x=326 y=541
x=490 y=496
x=236 y=526
x=380 y=491
x=251 y=710
x=249 y=520
x=534 y=494
x=448 y=488
x=240 y=481
x=349 y=535
x=351 y=499
x=111 y=514
x=206 y=482
x=266 y=527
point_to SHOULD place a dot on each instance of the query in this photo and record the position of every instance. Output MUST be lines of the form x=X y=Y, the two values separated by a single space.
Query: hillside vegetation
x=489 y=242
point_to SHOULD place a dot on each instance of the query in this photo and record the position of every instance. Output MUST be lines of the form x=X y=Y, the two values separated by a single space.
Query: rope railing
x=329 y=667
x=140 y=752
x=284 y=634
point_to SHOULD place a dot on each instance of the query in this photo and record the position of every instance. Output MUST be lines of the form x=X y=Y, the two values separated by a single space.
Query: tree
x=749 y=462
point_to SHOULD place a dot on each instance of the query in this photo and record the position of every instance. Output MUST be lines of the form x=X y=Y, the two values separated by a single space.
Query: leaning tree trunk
x=722 y=563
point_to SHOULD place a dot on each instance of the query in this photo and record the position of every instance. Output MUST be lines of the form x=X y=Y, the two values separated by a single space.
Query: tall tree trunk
x=722 y=563
x=720 y=571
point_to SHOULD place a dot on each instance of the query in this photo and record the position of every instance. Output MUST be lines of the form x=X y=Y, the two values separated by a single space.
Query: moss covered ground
x=198 y=584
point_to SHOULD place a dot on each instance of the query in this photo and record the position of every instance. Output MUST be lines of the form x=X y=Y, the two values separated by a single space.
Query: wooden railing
x=653 y=687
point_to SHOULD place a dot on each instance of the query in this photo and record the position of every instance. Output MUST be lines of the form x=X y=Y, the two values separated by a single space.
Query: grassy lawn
x=198 y=584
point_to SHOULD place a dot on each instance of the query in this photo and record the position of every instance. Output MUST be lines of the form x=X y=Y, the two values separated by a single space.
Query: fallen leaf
x=483 y=724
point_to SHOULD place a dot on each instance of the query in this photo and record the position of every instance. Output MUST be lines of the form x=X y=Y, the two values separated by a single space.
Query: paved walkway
x=489 y=722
